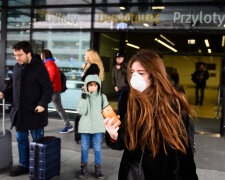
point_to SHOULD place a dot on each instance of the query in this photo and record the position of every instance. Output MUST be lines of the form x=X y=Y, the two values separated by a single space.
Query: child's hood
x=91 y=78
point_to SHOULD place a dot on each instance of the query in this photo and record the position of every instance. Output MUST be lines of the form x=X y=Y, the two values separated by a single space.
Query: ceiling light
x=191 y=41
x=158 y=7
x=116 y=49
x=207 y=42
x=199 y=51
x=167 y=40
x=223 y=41
x=122 y=8
x=146 y=25
x=209 y=51
x=132 y=45
x=166 y=45
x=126 y=40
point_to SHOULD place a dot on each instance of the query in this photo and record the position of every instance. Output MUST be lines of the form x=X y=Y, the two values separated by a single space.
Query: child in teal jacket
x=91 y=123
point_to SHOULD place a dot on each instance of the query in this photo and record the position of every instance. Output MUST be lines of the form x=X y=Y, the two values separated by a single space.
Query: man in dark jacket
x=199 y=77
x=31 y=90
x=119 y=76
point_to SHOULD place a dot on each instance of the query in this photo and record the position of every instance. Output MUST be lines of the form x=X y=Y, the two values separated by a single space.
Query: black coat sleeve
x=46 y=86
x=93 y=69
x=122 y=105
x=8 y=91
x=119 y=143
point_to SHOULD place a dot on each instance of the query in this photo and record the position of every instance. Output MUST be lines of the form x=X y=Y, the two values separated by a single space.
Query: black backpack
x=63 y=81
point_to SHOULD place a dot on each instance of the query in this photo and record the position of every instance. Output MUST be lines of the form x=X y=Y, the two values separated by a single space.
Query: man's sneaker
x=18 y=170
x=67 y=129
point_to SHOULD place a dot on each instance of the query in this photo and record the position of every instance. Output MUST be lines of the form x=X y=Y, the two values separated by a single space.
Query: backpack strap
x=102 y=100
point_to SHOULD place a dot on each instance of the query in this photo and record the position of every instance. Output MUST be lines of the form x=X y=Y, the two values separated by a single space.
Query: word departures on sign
x=121 y=18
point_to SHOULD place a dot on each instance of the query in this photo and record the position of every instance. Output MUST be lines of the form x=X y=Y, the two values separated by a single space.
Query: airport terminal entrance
x=180 y=51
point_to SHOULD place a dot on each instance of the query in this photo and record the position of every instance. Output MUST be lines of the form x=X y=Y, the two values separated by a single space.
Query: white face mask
x=138 y=82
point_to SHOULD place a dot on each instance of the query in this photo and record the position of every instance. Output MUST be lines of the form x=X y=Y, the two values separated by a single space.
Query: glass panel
x=19 y=2
x=68 y=49
x=62 y=18
x=57 y=2
x=12 y=38
x=180 y=17
x=19 y=18
x=153 y=1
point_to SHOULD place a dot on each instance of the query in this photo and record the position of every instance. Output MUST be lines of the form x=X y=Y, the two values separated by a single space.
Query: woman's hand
x=111 y=129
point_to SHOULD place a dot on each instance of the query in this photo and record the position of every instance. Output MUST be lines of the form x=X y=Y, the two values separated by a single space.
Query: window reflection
x=19 y=18
x=19 y=2
x=68 y=49
x=62 y=18
x=12 y=38
x=57 y=2
x=152 y=1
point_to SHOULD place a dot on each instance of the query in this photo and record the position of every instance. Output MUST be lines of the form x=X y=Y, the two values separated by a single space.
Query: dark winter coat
x=174 y=166
x=93 y=69
x=119 y=76
x=200 y=82
x=31 y=87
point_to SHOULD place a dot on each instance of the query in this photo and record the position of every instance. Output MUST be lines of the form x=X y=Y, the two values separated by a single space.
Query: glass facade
x=19 y=2
x=19 y=18
x=64 y=2
x=153 y=1
x=68 y=49
x=167 y=17
x=68 y=28
x=66 y=18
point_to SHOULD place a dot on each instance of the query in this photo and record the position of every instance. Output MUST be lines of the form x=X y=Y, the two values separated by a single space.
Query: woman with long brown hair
x=93 y=65
x=155 y=126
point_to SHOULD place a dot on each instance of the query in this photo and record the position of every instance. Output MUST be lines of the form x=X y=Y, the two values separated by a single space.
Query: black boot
x=98 y=172
x=18 y=170
x=83 y=171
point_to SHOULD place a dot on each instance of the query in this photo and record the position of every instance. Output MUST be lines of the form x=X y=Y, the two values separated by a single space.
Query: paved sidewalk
x=209 y=156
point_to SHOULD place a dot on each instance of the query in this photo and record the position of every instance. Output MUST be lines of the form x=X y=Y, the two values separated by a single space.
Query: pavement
x=209 y=156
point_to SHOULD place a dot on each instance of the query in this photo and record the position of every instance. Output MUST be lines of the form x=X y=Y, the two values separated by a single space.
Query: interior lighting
x=209 y=51
x=146 y=25
x=207 y=42
x=166 y=45
x=132 y=45
x=158 y=7
x=191 y=41
x=167 y=40
x=223 y=41
x=122 y=8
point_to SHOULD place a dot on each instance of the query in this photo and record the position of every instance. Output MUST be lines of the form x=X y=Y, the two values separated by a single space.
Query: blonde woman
x=93 y=65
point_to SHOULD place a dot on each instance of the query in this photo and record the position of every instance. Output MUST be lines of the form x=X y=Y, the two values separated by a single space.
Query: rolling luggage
x=45 y=157
x=5 y=143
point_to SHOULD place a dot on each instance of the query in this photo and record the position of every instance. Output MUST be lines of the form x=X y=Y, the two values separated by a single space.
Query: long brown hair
x=95 y=59
x=154 y=117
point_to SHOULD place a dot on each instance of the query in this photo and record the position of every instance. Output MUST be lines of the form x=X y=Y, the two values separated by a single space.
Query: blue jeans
x=23 y=145
x=197 y=88
x=85 y=142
